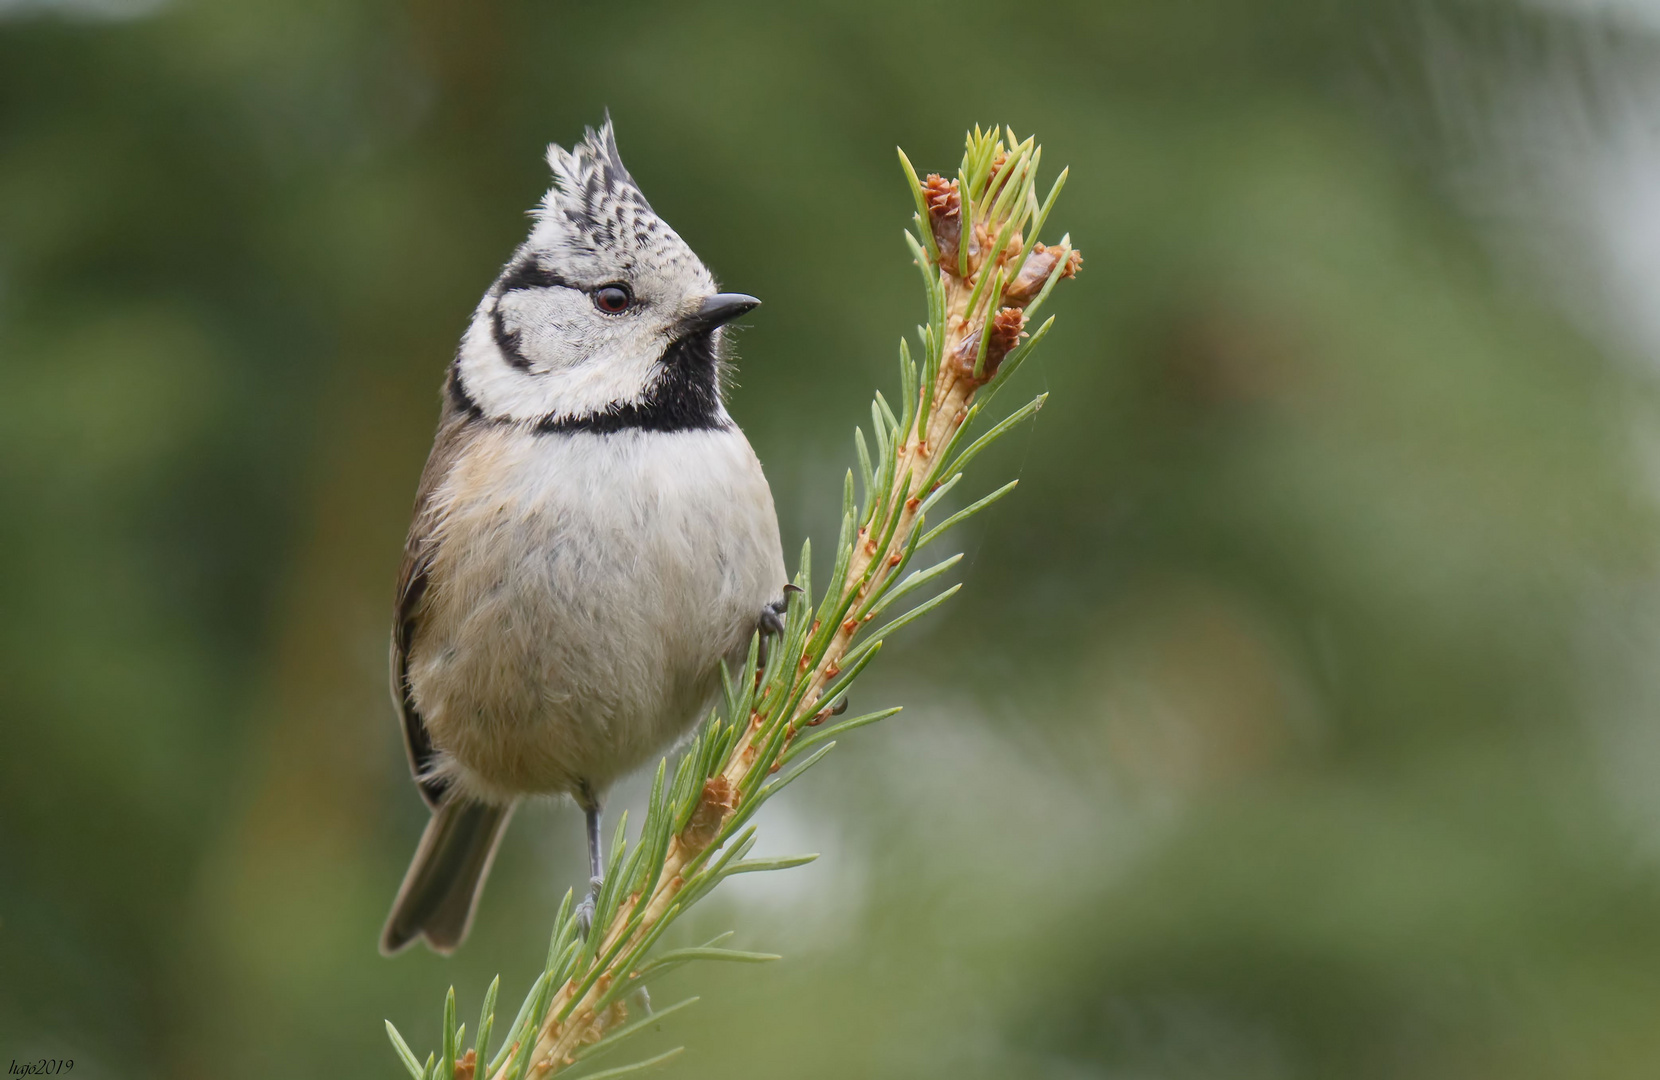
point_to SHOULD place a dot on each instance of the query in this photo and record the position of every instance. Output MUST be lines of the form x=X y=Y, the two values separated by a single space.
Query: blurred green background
x=1298 y=717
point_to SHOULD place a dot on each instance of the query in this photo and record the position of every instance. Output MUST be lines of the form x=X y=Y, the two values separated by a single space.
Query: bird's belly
x=584 y=591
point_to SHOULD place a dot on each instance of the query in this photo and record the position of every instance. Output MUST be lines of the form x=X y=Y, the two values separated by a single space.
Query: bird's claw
x=585 y=910
x=771 y=622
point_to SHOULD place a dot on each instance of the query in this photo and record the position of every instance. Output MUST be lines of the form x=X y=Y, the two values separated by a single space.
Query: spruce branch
x=984 y=274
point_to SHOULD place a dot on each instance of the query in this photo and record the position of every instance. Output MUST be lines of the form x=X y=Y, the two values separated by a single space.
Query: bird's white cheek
x=584 y=372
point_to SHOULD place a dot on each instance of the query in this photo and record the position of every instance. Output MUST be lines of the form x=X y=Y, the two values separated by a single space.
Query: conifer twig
x=983 y=276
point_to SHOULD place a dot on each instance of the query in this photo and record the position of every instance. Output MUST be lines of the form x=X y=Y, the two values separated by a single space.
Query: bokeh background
x=1298 y=718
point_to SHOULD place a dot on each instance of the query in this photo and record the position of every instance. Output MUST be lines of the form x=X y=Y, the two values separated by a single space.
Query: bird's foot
x=771 y=621
x=585 y=910
x=772 y=617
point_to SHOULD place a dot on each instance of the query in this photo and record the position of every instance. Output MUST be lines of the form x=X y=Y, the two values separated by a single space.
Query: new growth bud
x=1036 y=270
x=945 y=216
x=1007 y=328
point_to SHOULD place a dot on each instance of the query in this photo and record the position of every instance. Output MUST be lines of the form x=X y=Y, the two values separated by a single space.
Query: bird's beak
x=718 y=310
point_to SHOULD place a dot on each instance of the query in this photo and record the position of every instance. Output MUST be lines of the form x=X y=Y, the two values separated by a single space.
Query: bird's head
x=602 y=311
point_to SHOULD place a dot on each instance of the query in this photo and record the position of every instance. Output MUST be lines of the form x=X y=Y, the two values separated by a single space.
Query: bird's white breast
x=583 y=591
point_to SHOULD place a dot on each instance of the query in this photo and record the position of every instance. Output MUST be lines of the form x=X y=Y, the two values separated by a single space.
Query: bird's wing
x=418 y=553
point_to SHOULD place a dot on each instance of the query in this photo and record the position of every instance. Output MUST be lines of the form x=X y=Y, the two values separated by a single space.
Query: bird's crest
x=594 y=201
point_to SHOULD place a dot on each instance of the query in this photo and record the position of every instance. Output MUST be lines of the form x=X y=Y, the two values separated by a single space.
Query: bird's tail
x=445 y=878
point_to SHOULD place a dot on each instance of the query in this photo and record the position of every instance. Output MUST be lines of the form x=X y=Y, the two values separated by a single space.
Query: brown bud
x=945 y=217
x=941 y=195
x=1036 y=270
x=1007 y=328
x=466 y=1065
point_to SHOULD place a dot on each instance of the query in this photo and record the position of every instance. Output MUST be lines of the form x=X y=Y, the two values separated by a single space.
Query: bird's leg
x=596 y=865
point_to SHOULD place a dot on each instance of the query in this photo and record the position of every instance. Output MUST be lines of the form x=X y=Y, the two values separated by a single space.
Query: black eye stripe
x=527 y=273
x=508 y=341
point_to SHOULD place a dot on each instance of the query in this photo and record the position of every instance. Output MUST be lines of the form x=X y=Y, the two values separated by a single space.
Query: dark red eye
x=613 y=299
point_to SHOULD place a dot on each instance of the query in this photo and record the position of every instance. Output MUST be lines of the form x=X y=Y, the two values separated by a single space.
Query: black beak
x=718 y=310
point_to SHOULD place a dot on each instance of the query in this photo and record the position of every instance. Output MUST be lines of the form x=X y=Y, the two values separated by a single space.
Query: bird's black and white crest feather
x=595 y=210
x=538 y=349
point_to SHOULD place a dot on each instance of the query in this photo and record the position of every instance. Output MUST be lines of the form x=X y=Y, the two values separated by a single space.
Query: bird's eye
x=613 y=299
